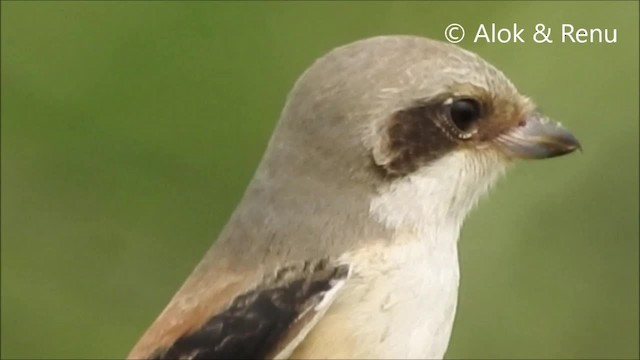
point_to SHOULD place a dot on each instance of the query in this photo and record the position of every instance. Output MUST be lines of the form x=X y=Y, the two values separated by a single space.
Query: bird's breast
x=399 y=303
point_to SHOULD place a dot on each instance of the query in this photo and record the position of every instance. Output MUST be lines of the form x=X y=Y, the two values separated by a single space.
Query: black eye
x=464 y=112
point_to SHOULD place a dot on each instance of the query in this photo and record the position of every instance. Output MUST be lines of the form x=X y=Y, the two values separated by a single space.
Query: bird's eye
x=464 y=112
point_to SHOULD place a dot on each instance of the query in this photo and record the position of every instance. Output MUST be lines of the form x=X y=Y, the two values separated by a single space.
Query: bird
x=344 y=244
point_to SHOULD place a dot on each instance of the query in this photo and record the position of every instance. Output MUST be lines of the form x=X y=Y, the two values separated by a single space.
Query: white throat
x=433 y=201
x=400 y=302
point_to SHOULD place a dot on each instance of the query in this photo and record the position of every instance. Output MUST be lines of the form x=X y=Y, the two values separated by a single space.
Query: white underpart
x=427 y=209
x=400 y=301
x=392 y=307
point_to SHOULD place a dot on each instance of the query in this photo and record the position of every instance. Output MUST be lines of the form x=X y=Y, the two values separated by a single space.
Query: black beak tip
x=571 y=144
x=562 y=149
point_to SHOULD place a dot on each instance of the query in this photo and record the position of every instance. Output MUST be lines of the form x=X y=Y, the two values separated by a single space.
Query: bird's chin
x=537 y=138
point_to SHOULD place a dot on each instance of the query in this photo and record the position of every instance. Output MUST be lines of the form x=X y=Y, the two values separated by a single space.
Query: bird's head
x=433 y=124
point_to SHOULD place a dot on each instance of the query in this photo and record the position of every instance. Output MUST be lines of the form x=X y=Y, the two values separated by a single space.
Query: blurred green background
x=129 y=131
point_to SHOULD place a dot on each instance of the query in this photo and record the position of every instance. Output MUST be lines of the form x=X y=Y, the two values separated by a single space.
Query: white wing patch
x=312 y=315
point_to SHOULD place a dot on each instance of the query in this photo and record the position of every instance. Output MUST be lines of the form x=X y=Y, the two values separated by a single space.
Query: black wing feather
x=256 y=322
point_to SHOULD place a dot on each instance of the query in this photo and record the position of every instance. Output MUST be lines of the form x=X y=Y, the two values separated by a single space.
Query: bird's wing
x=268 y=321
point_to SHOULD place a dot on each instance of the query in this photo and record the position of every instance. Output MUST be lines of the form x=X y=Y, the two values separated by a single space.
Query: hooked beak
x=538 y=138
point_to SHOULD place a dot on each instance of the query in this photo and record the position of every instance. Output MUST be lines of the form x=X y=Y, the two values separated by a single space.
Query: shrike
x=345 y=242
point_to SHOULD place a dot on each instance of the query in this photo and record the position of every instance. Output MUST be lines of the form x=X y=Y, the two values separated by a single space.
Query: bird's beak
x=537 y=138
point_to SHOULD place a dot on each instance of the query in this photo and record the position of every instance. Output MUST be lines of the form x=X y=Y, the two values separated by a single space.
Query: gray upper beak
x=538 y=138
